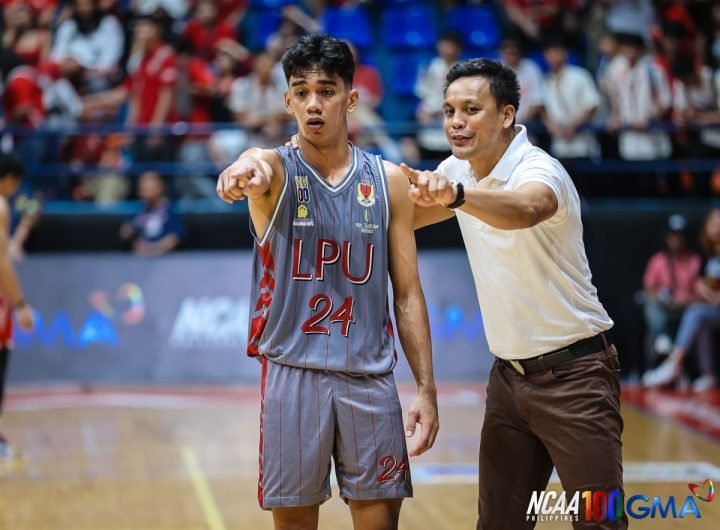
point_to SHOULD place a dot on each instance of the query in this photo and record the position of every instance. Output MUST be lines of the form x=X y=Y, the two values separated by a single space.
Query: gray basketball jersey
x=320 y=271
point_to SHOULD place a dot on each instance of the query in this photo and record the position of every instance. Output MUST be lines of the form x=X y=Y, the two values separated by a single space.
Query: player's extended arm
x=8 y=276
x=410 y=311
x=531 y=204
x=258 y=175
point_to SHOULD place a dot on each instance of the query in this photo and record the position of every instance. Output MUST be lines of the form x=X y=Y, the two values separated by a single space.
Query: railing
x=41 y=151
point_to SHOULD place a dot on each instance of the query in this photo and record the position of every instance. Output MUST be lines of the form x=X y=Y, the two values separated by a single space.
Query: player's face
x=320 y=104
x=472 y=121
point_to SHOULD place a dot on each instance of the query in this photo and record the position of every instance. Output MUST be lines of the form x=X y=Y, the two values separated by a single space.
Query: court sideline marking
x=202 y=490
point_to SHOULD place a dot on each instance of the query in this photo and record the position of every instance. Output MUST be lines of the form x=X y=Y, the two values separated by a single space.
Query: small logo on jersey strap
x=302 y=218
x=303 y=190
x=366 y=194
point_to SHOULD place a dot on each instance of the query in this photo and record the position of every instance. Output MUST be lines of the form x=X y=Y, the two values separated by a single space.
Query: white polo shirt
x=534 y=285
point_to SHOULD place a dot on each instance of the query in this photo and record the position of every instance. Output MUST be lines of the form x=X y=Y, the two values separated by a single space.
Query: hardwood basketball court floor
x=186 y=459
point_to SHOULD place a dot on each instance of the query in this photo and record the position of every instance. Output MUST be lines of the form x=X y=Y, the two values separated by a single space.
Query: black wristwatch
x=459 y=195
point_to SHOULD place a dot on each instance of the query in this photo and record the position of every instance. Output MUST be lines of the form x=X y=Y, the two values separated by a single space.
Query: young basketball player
x=11 y=295
x=330 y=221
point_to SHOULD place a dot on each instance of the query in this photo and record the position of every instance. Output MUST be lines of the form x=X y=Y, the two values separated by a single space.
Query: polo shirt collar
x=512 y=156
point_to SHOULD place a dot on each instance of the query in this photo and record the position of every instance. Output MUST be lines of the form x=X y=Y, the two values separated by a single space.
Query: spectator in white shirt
x=528 y=75
x=258 y=103
x=429 y=89
x=88 y=47
x=570 y=98
x=641 y=96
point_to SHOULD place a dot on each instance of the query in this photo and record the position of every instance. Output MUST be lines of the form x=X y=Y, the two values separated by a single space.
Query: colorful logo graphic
x=128 y=294
x=98 y=327
x=601 y=505
x=366 y=194
x=706 y=492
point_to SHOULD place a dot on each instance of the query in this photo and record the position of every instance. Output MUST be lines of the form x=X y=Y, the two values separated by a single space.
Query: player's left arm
x=411 y=311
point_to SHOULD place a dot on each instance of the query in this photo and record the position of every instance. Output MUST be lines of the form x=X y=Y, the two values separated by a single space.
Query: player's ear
x=353 y=98
x=288 y=107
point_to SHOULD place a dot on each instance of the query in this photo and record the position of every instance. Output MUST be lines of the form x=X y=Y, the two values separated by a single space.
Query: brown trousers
x=567 y=417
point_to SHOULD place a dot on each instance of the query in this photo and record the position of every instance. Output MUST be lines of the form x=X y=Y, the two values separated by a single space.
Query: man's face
x=472 y=120
x=84 y=8
x=150 y=187
x=320 y=104
x=9 y=184
x=510 y=54
x=146 y=32
x=676 y=241
x=448 y=50
x=555 y=56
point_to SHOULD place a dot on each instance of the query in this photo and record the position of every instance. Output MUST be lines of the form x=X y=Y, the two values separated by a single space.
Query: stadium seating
x=351 y=23
x=478 y=24
x=409 y=27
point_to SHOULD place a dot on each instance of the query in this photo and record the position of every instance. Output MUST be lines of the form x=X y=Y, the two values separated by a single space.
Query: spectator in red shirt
x=196 y=91
x=534 y=17
x=669 y=286
x=152 y=90
x=22 y=97
x=205 y=29
x=23 y=35
x=231 y=11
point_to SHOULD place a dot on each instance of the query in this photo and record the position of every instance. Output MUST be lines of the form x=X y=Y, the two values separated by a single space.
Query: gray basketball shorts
x=308 y=417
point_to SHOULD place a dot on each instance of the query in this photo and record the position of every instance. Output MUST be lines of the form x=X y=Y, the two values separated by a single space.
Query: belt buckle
x=518 y=367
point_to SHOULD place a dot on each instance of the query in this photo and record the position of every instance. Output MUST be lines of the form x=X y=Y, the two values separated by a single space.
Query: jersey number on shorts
x=323 y=305
x=392 y=468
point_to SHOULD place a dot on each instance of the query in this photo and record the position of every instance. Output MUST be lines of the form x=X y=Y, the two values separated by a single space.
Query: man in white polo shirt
x=553 y=391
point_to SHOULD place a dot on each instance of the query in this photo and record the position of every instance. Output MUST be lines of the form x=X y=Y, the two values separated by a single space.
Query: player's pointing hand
x=246 y=177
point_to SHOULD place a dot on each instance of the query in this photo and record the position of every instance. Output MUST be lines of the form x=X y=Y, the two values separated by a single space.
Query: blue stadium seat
x=261 y=23
x=404 y=68
x=409 y=27
x=478 y=24
x=350 y=23
x=404 y=2
x=271 y=3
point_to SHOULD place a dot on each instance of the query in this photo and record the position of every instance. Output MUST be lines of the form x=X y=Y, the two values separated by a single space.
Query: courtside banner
x=182 y=318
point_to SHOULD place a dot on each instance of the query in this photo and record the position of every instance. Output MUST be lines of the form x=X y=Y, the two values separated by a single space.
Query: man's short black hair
x=454 y=36
x=10 y=165
x=503 y=82
x=319 y=51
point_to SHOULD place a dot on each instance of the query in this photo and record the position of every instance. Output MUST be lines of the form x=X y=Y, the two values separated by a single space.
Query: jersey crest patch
x=366 y=193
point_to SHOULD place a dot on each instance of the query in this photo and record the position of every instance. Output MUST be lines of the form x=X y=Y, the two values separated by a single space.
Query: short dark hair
x=319 y=51
x=503 y=82
x=10 y=165
x=454 y=36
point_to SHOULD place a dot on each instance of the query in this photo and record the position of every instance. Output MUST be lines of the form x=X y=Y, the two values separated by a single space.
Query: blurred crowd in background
x=97 y=92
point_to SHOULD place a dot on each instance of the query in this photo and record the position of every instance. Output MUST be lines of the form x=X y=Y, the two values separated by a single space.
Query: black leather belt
x=554 y=358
